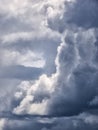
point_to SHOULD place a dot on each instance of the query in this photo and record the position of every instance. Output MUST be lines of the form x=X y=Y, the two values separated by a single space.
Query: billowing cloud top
x=48 y=64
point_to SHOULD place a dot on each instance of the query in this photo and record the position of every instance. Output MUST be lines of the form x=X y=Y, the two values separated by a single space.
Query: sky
x=48 y=64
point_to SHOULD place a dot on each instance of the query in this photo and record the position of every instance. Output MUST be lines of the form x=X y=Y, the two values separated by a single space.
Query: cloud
x=77 y=75
x=75 y=14
x=24 y=124
x=82 y=122
x=20 y=72
x=49 y=65
x=28 y=59
x=25 y=44
x=80 y=16
x=75 y=71
x=36 y=97
x=2 y=123
x=75 y=123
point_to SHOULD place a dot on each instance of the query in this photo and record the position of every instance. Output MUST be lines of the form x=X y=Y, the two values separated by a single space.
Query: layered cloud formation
x=49 y=65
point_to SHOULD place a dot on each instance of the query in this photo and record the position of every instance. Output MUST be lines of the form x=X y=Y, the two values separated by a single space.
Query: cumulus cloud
x=50 y=48
x=76 y=75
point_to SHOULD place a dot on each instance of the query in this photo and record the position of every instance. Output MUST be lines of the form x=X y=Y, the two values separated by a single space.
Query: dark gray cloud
x=84 y=13
x=74 y=98
x=81 y=122
x=73 y=123
x=24 y=125
x=77 y=13
x=77 y=81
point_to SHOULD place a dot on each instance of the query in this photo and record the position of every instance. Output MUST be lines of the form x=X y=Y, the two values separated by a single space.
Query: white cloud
x=28 y=59
x=2 y=124
x=37 y=96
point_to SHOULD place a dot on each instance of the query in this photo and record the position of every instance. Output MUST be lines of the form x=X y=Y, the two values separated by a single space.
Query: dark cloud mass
x=84 y=14
x=49 y=65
